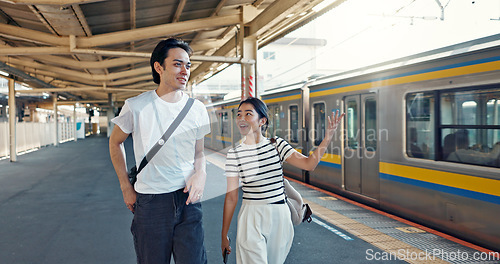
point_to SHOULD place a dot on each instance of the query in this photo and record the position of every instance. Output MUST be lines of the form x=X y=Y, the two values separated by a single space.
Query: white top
x=259 y=169
x=169 y=169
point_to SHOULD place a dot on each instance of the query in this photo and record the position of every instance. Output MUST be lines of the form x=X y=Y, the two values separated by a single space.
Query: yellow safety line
x=373 y=236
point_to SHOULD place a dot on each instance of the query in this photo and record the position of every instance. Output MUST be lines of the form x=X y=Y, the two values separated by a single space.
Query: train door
x=225 y=128
x=236 y=136
x=274 y=121
x=360 y=153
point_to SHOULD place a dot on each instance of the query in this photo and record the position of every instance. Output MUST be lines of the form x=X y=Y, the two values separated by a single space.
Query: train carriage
x=420 y=139
x=395 y=152
x=287 y=120
x=223 y=128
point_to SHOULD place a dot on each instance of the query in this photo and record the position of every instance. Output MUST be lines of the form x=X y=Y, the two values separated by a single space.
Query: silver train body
x=420 y=139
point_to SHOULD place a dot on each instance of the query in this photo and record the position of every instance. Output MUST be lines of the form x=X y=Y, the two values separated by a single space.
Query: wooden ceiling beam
x=121 y=36
x=79 y=74
x=33 y=35
x=65 y=62
x=204 y=67
x=62 y=50
x=278 y=10
x=50 y=2
x=157 y=31
x=178 y=11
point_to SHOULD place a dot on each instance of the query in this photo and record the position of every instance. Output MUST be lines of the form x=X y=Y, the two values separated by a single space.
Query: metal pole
x=56 y=136
x=12 y=121
x=74 y=123
x=243 y=86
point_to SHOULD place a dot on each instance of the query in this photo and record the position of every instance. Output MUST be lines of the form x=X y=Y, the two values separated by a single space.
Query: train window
x=219 y=121
x=319 y=121
x=294 y=124
x=225 y=125
x=270 y=127
x=470 y=126
x=274 y=122
x=420 y=125
x=352 y=124
x=371 y=124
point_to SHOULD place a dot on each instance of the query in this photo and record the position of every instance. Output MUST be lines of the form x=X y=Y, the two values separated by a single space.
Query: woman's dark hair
x=260 y=107
x=160 y=53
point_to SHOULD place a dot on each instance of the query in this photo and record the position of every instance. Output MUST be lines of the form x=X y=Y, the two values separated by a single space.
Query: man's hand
x=129 y=197
x=195 y=186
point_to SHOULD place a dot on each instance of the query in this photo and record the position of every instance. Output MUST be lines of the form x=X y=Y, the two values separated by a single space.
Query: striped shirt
x=259 y=169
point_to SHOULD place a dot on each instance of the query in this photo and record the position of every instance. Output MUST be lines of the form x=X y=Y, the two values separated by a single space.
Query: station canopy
x=87 y=49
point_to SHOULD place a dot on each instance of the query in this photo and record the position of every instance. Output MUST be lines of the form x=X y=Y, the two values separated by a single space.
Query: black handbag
x=132 y=174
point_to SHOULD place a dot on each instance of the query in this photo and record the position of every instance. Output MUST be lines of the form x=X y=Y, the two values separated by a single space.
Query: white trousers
x=264 y=233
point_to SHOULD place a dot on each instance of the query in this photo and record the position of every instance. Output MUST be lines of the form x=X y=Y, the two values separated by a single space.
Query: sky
x=364 y=32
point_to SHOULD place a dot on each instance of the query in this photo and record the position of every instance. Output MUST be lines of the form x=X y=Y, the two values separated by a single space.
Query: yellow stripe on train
x=462 y=181
x=227 y=139
x=331 y=158
x=284 y=98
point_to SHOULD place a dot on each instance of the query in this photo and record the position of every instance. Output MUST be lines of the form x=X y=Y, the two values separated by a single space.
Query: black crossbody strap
x=166 y=135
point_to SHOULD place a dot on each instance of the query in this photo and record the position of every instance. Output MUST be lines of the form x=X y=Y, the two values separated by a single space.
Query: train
x=420 y=139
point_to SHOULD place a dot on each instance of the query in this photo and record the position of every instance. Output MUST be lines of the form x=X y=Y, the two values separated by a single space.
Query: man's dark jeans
x=164 y=225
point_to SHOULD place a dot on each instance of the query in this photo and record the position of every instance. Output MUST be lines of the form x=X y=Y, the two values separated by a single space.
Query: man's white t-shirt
x=147 y=117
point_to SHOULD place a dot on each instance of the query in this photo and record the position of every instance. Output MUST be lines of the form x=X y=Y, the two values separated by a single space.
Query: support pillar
x=74 y=123
x=249 y=48
x=56 y=126
x=244 y=90
x=12 y=121
x=248 y=71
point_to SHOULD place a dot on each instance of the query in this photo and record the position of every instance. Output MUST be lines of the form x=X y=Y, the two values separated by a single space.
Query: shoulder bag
x=132 y=175
x=299 y=210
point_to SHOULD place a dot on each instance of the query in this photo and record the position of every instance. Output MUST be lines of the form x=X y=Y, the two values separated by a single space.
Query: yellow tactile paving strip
x=370 y=235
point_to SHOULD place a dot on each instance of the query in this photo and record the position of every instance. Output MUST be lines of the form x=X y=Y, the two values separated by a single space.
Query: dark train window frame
x=440 y=126
x=353 y=141
x=293 y=137
x=370 y=132
x=415 y=148
x=225 y=124
x=317 y=137
x=274 y=121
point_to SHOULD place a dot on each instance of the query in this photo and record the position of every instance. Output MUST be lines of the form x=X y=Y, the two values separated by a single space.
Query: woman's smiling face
x=248 y=120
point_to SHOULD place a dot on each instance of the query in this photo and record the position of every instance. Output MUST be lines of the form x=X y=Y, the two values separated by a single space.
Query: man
x=164 y=200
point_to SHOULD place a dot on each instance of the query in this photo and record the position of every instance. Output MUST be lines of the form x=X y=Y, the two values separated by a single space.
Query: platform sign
x=80 y=129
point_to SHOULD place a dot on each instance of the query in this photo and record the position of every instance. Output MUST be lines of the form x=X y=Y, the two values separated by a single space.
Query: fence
x=34 y=135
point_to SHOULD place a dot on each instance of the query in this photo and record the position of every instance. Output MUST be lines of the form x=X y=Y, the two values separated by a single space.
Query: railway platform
x=63 y=205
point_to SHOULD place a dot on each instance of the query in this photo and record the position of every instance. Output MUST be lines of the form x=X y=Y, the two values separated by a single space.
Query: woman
x=265 y=230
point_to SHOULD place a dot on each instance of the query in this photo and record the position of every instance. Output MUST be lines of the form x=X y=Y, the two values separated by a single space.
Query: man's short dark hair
x=160 y=53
